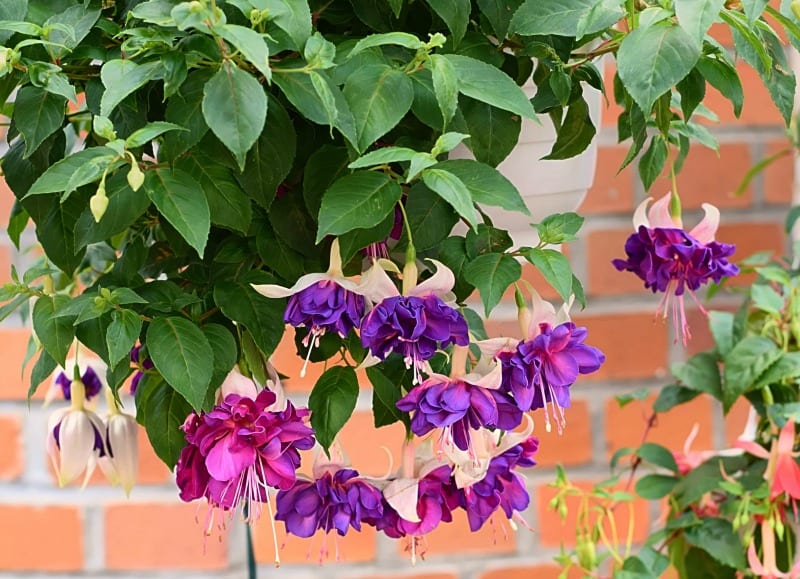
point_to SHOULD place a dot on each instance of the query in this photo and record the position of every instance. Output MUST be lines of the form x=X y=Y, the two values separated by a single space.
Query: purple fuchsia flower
x=142 y=363
x=90 y=371
x=321 y=302
x=240 y=449
x=459 y=404
x=75 y=438
x=670 y=260
x=414 y=324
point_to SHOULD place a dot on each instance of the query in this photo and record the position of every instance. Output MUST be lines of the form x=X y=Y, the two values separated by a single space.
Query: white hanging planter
x=547 y=187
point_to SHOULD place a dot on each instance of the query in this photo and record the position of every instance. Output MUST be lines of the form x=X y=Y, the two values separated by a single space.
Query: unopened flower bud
x=795 y=6
x=98 y=204
x=587 y=556
x=135 y=177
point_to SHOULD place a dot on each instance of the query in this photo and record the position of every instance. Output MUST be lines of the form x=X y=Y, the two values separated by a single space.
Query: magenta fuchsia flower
x=415 y=324
x=670 y=260
x=240 y=449
x=460 y=404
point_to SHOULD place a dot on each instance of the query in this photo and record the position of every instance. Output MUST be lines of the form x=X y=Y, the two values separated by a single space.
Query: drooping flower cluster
x=670 y=260
x=239 y=449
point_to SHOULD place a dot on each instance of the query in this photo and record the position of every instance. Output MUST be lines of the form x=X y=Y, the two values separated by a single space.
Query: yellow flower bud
x=795 y=6
x=135 y=177
x=98 y=205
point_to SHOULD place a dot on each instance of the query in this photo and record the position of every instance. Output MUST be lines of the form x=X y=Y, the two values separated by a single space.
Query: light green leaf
x=655 y=486
x=718 y=538
x=403 y=39
x=489 y=84
x=235 y=109
x=382 y=157
x=150 y=131
x=486 y=185
x=332 y=402
x=652 y=60
x=697 y=16
x=78 y=20
x=455 y=14
x=122 y=333
x=12 y=10
x=565 y=17
x=453 y=190
x=559 y=228
x=657 y=455
x=179 y=198
x=154 y=12
x=182 y=355
x=766 y=299
x=700 y=373
x=492 y=274
x=378 y=96
x=357 y=201
x=250 y=43
x=37 y=114
x=291 y=16
x=555 y=268
x=76 y=170
x=123 y=77
x=744 y=366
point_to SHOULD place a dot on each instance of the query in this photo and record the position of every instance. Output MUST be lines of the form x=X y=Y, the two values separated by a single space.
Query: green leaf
x=655 y=486
x=486 y=239
x=121 y=78
x=493 y=132
x=486 y=185
x=331 y=402
x=718 y=538
x=565 y=18
x=163 y=412
x=357 y=201
x=77 y=20
x=291 y=16
x=721 y=326
x=575 y=133
x=11 y=10
x=383 y=156
x=228 y=204
x=697 y=16
x=700 y=373
x=445 y=85
x=559 y=228
x=37 y=114
x=651 y=164
x=263 y=317
x=745 y=364
x=455 y=14
x=385 y=394
x=250 y=43
x=492 y=274
x=491 y=85
x=379 y=96
x=672 y=396
x=42 y=369
x=651 y=60
x=657 y=455
x=178 y=197
x=226 y=354
x=787 y=367
x=555 y=268
x=150 y=131
x=453 y=253
x=182 y=355
x=766 y=299
x=430 y=217
x=125 y=206
x=270 y=159
x=453 y=190
x=74 y=171
x=403 y=39
x=235 y=109
x=185 y=109
x=753 y=9
x=55 y=231
x=55 y=334
x=122 y=333
x=499 y=13
x=723 y=77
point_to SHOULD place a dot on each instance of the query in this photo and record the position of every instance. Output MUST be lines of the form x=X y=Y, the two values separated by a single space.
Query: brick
x=367 y=446
x=602 y=247
x=12 y=461
x=152 y=470
x=709 y=178
x=779 y=175
x=553 y=532
x=352 y=548
x=758 y=108
x=634 y=343
x=531 y=572
x=6 y=202
x=751 y=238
x=448 y=539
x=531 y=275
x=612 y=190
x=41 y=538
x=140 y=536
x=626 y=426
x=574 y=446
x=736 y=420
x=5 y=265
x=13 y=384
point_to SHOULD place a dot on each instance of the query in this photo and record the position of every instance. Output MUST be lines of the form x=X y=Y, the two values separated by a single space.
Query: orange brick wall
x=44 y=529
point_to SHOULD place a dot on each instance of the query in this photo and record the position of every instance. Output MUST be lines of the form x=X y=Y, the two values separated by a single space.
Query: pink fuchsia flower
x=670 y=260
x=783 y=472
x=415 y=324
x=321 y=302
x=767 y=567
x=75 y=438
x=240 y=449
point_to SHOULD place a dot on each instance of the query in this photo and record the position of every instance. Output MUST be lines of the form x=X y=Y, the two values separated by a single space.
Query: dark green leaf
x=79 y=19
x=430 y=217
x=559 y=228
x=575 y=133
x=182 y=355
x=652 y=162
x=331 y=402
x=492 y=274
x=37 y=115
x=723 y=77
x=744 y=366
x=655 y=486
x=164 y=411
x=179 y=198
x=226 y=354
x=122 y=333
x=493 y=132
x=718 y=538
x=42 y=369
x=455 y=14
x=700 y=373
x=55 y=334
x=657 y=455
x=263 y=317
x=672 y=396
x=185 y=109
x=555 y=268
x=486 y=185
x=121 y=78
x=385 y=394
